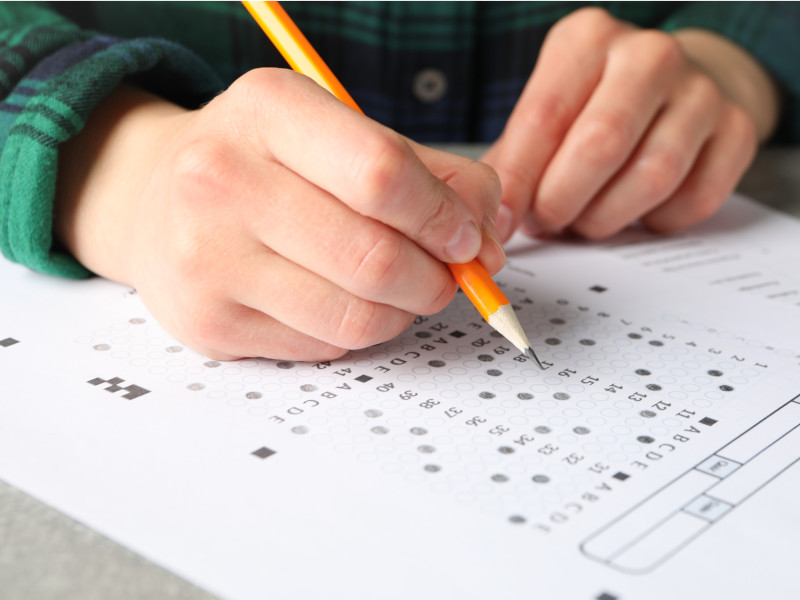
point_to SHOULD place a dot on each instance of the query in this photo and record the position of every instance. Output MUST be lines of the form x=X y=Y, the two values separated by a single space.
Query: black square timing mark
x=263 y=452
x=132 y=391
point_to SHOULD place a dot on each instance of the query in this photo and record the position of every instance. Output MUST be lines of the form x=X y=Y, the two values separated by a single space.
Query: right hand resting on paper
x=275 y=221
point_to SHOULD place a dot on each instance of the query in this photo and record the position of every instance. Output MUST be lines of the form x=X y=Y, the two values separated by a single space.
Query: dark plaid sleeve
x=52 y=74
x=770 y=31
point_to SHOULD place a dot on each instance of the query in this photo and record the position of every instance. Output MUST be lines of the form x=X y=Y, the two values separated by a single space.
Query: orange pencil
x=471 y=277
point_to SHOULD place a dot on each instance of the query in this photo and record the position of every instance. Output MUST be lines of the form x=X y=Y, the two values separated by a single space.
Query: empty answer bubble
x=465 y=400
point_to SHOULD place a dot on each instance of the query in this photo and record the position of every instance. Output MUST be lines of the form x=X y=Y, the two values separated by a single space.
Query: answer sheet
x=655 y=456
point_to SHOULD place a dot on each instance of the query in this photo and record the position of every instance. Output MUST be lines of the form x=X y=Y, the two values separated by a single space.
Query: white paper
x=654 y=458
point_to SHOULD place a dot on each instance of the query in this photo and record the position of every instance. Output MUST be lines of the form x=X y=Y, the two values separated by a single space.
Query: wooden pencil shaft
x=295 y=48
x=479 y=287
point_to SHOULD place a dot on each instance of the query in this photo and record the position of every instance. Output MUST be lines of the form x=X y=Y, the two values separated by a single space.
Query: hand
x=618 y=124
x=273 y=222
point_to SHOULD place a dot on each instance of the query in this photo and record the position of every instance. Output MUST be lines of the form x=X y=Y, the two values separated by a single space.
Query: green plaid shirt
x=435 y=71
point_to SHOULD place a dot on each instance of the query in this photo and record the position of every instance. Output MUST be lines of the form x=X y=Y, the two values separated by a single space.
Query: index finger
x=365 y=165
x=569 y=66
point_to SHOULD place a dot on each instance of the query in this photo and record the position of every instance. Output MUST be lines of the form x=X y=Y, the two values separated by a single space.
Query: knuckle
x=591 y=18
x=196 y=248
x=741 y=126
x=188 y=262
x=202 y=166
x=255 y=81
x=364 y=323
x=659 y=49
x=326 y=352
x=550 y=116
x=490 y=181
x=593 y=27
x=438 y=217
x=702 y=90
x=377 y=256
x=552 y=214
x=378 y=168
x=439 y=300
x=517 y=178
x=701 y=207
x=660 y=173
x=606 y=139
x=207 y=326
x=595 y=229
x=358 y=324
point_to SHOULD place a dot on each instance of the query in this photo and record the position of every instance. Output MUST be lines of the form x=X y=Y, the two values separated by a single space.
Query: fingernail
x=504 y=222
x=465 y=244
x=490 y=231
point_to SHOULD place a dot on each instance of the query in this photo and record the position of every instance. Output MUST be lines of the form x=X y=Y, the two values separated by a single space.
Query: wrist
x=102 y=174
x=738 y=75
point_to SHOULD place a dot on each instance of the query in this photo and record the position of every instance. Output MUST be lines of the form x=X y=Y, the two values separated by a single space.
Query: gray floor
x=46 y=555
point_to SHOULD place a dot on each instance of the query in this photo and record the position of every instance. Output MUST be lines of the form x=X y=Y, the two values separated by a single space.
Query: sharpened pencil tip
x=532 y=355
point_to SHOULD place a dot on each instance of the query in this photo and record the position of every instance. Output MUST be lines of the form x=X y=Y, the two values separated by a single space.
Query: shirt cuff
x=51 y=104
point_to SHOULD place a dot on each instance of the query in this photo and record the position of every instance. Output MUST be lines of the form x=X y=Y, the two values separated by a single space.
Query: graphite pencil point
x=532 y=355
